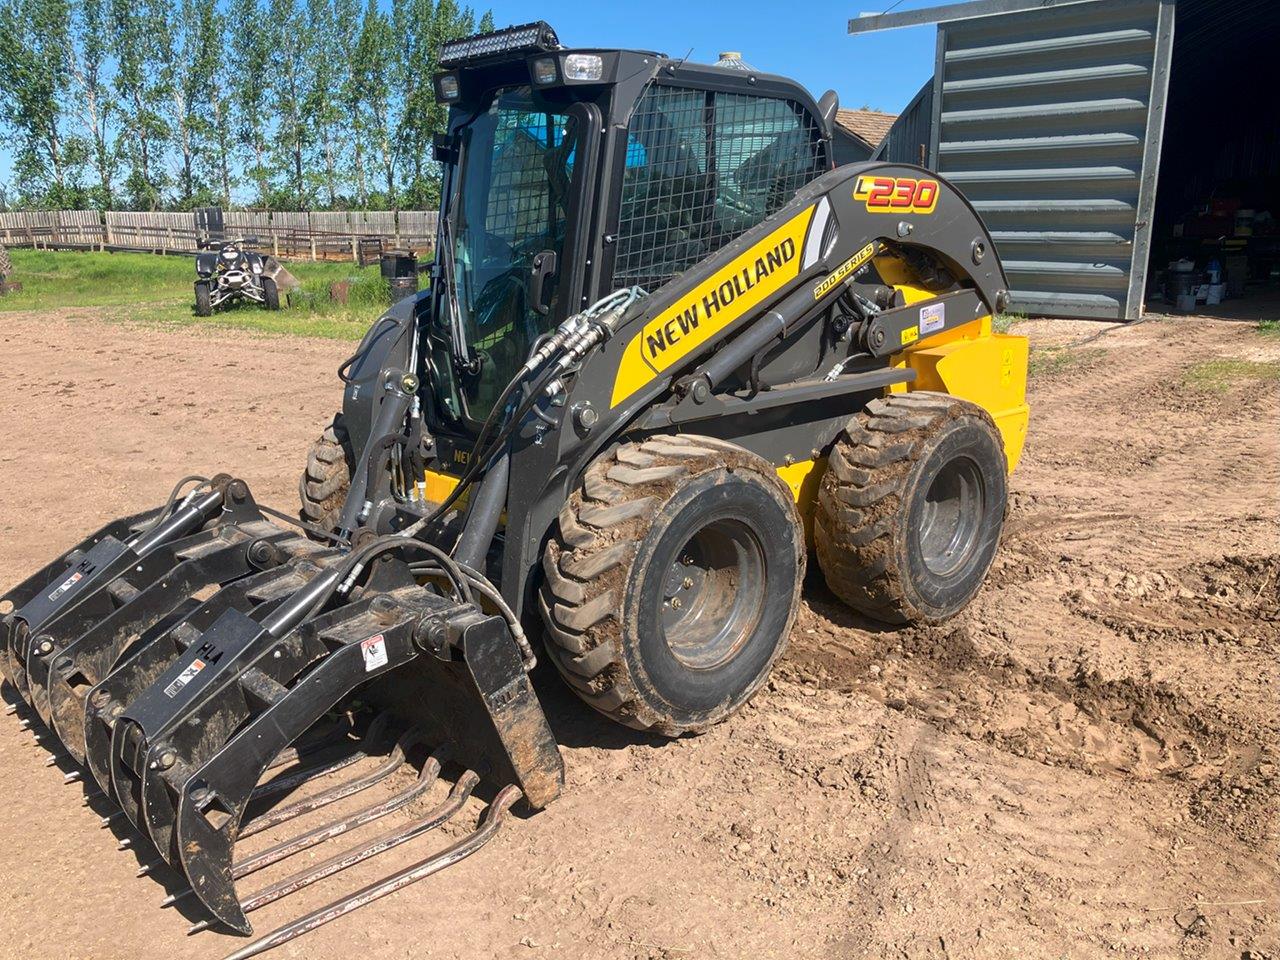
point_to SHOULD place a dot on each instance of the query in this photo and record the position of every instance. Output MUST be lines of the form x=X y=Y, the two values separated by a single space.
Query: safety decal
x=910 y=335
x=705 y=311
x=375 y=653
x=185 y=677
x=897 y=194
x=67 y=584
x=842 y=272
x=932 y=318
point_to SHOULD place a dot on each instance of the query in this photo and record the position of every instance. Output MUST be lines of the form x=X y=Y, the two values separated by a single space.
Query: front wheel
x=673 y=581
x=204 y=299
x=270 y=294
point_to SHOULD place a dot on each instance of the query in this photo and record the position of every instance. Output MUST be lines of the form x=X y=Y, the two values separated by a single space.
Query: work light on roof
x=526 y=37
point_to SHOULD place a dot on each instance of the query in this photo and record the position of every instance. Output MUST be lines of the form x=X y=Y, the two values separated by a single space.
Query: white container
x=1186 y=303
x=1216 y=293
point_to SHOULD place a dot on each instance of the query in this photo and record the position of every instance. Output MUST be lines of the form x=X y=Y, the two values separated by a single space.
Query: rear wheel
x=270 y=294
x=672 y=582
x=327 y=477
x=911 y=507
x=204 y=299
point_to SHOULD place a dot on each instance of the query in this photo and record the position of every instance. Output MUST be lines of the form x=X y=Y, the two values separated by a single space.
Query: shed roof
x=869 y=126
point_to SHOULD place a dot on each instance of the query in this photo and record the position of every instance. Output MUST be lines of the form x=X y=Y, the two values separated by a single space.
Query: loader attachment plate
x=194 y=658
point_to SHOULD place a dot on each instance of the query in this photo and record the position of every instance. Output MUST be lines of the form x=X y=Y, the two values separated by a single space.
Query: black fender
x=387 y=343
x=206 y=263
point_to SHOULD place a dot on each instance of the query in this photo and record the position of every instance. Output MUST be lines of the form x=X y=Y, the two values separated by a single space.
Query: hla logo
x=679 y=326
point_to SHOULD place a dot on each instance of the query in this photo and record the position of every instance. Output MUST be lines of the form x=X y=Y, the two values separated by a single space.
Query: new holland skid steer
x=667 y=348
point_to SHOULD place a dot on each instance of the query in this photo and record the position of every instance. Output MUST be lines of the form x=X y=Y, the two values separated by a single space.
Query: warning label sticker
x=185 y=677
x=375 y=653
x=67 y=584
x=932 y=318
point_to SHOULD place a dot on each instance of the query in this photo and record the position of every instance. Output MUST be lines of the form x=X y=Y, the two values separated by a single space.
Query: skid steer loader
x=667 y=349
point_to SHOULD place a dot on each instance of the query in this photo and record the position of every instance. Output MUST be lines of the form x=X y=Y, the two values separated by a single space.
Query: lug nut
x=686 y=583
x=676 y=603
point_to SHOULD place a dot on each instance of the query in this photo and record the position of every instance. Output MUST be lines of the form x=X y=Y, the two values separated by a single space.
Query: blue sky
x=803 y=39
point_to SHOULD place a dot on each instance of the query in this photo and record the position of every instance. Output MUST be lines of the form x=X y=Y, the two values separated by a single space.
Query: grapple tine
x=288 y=782
x=335 y=828
x=427 y=776
x=335 y=793
x=389 y=840
x=492 y=820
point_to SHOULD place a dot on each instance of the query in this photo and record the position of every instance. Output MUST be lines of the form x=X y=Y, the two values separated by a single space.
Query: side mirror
x=542 y=271
x=828 y=104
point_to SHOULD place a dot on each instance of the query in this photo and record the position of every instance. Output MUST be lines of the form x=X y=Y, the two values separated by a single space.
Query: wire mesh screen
x=701 y=169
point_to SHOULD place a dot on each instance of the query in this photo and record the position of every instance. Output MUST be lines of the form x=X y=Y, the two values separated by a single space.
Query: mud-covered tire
x=911 y=506
x=327 y=477
x=672 y=581
x=204 y=299
x=270 y=294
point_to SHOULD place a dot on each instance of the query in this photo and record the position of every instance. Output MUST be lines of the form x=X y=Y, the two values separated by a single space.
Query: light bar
x=527 y=37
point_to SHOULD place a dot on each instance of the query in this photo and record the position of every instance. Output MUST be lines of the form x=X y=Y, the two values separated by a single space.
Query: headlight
x=583 y=66
x=544 y=70
x=229 y=254
x=447 y=86
x=257 y=267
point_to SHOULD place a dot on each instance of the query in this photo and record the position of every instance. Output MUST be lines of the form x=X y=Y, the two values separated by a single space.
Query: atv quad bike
x=667 y=349
x=228 y=272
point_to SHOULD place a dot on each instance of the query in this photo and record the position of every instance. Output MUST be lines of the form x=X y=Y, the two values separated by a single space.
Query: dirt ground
x=1085 y=764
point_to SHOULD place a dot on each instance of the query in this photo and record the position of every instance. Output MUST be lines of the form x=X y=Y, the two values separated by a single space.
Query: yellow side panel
x=440 y=485
x=803 y=478
x=698 y=317
x=989 y=369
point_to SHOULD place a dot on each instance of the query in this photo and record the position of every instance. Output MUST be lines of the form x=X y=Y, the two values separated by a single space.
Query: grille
x=701 y=169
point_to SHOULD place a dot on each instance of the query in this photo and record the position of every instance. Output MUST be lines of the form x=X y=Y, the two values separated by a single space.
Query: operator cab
x=568 y=174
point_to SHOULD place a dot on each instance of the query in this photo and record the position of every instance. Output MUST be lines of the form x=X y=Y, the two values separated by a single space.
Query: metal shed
x=1050 y=116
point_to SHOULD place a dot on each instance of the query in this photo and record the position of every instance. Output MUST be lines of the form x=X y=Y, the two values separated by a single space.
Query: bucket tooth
x=489 y=825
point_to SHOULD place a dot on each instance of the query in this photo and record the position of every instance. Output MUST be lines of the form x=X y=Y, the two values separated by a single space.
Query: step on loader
x=668 y=353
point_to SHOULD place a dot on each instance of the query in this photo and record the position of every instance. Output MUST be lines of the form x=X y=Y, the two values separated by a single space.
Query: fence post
x=355 y=250
x=313 y=248
x=275 y=244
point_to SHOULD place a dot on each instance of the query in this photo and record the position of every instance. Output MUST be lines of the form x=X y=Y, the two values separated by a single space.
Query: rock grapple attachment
x=202 y=663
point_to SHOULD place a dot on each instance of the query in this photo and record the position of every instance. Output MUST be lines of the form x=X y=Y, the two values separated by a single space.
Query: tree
x=87 y=60
x=34 y=77
x=252 y=57
x=427 y=25
x=139 y=29
x=211 y=120
x=291 y=86
x=323 y=107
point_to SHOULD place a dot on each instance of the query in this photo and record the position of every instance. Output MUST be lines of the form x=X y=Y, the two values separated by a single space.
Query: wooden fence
x=326 y=235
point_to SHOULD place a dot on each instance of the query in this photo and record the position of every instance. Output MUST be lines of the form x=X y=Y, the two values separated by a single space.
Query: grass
x=1051 y=361
x=154 y=290
x=1269 y=326
x=1002 y=322
x=1220 y=375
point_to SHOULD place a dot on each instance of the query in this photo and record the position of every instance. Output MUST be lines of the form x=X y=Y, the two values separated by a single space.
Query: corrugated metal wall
x=1044 y=119
x=908 y=139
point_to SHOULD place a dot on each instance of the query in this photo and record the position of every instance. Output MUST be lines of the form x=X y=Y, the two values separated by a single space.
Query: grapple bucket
x=202 y=662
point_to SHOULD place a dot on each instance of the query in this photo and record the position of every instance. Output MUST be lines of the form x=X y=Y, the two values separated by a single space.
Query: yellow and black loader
x=669 y=353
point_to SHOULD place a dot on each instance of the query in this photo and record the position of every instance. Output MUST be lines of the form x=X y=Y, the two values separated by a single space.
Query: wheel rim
x=713 y=594
x=952 y=517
